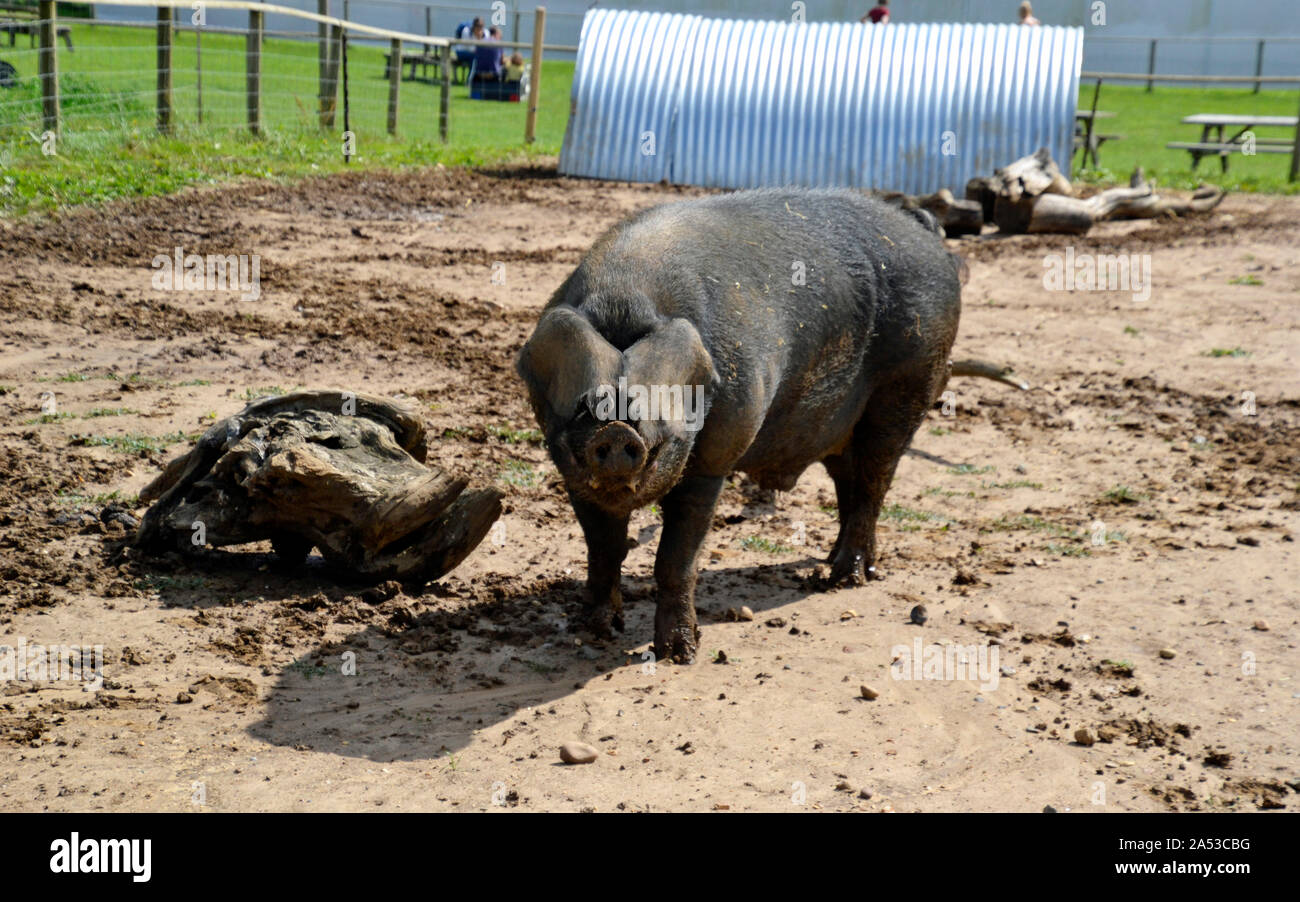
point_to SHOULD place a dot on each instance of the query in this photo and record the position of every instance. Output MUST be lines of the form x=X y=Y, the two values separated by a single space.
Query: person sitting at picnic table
x=1027 y=14
x=878 y=14
x=514 y=68
x=487 y=59
x=465 y=55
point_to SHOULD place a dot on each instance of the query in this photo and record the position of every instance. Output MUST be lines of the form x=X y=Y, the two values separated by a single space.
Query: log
x=1028 y=197
x=336 y=471
x=1059 y=214
x=1155 y=206
x=1031 y=176
x=983 y=190
x=957 y=217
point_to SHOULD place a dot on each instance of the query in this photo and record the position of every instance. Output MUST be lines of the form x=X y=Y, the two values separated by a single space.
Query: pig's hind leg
x=688 y=514
x=606 y=536
x=864 y=470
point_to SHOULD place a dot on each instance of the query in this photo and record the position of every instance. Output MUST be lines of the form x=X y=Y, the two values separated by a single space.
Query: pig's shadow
x=421 y=691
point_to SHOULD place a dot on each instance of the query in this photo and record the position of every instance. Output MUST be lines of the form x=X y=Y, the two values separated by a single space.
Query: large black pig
x=793 y=325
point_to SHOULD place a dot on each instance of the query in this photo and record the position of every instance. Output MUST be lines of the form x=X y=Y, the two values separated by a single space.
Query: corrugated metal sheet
x=735 y=103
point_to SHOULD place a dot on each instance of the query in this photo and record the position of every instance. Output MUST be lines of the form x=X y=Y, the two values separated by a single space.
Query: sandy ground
x=224 y=687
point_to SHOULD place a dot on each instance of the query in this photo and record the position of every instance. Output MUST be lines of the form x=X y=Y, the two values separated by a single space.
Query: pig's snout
x=615 y=456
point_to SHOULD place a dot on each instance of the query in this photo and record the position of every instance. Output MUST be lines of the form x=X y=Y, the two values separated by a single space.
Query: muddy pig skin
x=794 y=325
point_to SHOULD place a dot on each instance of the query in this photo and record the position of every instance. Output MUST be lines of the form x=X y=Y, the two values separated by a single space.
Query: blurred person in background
x=465 y=55
x=487 y=59
x=878 y=14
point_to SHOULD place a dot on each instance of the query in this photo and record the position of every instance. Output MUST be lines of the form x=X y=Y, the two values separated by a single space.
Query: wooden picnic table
x=1213 y=143
x=429 y=56
x=31 y=28
x=1089 y=140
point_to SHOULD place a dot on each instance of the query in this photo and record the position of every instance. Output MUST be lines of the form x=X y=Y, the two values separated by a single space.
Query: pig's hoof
x=849 y=570
x=603 y=621
x=679 y=646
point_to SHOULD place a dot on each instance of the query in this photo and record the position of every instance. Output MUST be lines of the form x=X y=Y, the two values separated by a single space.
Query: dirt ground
x=1168 y=632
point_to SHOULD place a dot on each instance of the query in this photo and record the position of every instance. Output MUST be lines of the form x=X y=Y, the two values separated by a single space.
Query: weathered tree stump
x=339 y=472
x=1031 y=195
x=958 y=217
x=1155 y=206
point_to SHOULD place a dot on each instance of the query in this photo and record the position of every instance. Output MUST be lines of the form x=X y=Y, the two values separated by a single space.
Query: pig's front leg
x=688 y=514
x=606 y=536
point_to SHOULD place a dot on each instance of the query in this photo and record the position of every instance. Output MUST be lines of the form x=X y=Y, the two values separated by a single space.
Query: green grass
x=1246 y=280
x=1150 y=121
x=518 y=473
x=910 y=519
x=1122 y=494
x=47 y=418
x=945 y=493
x=93 y=414
x=969 y=470
x=109 y=147
x=765 y=546
x=515 y=436
x=134 y=442
x=1030 y=523
x=1067 y=550
x=1013 y=484
x=1227 y=352
x=76 y=499
x=266 y=391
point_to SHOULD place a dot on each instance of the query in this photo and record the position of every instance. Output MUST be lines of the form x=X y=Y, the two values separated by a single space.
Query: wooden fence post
x=535 y=76
x=164 y=69
x=1295 y=153
x=444 y=94
x=329 y=99
x=254 y=68
x=1259 y=64
x=48 y=66
x=1151 y=67
x=323 y=64
x=198 y=69
x=349 y=139
x=394 y=82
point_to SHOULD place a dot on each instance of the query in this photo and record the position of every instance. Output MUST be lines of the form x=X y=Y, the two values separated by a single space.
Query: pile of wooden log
x=336 y=471
x=1032 y=195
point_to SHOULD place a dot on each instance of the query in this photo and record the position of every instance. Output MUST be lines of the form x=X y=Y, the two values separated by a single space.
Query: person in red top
x=879 y=14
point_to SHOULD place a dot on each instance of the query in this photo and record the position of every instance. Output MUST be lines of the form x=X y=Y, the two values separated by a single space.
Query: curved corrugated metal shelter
x=735 y=103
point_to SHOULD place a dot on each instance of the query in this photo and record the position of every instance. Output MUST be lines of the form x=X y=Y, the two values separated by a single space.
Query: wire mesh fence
x=111 y=77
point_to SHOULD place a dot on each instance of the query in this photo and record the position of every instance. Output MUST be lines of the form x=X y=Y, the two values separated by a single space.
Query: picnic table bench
x=32 y=28
x=1213 y=143
x=1087 y=138
x=421 y=59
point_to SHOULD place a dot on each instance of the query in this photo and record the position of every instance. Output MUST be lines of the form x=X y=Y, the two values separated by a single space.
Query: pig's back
x=803 y=297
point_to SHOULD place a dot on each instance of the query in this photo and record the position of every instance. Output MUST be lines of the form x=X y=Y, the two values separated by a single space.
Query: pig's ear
x=672 y=354
x=566 y=360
